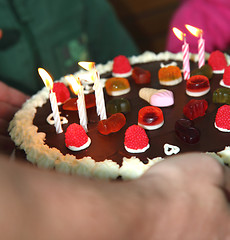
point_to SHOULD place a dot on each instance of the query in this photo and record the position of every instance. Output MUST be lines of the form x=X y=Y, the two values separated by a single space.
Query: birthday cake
x=107 y=155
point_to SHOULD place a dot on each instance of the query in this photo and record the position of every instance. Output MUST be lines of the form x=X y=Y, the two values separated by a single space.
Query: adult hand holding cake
x=11 y=101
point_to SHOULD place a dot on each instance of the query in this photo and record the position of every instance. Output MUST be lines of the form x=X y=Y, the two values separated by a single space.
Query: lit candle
x=78 y=90
x=185 y=50
x=201 y=43
x=99 y=95
x=53 y=100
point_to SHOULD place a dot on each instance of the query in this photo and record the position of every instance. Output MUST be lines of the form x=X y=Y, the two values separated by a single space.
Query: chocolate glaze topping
x=112 y=146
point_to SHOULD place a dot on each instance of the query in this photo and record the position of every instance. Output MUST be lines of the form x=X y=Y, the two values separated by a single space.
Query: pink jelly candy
x=112 y=124
x=186 y=131
x=140 y=75
x=195 y=108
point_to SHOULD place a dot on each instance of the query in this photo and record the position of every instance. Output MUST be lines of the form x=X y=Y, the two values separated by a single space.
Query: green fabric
x=55 y=35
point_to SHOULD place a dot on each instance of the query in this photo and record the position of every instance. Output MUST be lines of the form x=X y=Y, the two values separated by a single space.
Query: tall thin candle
x=53 y=100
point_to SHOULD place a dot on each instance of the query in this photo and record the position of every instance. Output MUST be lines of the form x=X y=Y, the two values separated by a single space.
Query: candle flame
x=194 y=31
x=178 y=33
x=74 y=83
x=87 y=65
x=46 y=78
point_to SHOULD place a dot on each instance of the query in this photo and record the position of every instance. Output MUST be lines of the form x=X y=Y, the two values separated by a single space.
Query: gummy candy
x=195 y=108
x=170 y=75
x=117 y=86
x=158 y=98
x=71 y=104
x=197 y=85
x=76 y=138
x=205 y=70
x=150 y=117
x=61 y=91
x=121 y=67
x=221 y=95
x=226 y=76
x=186 y=131
x=222 y=120
x=217 y=61
x=112 y=124
x=140 y=75
x=136 y=139
x=118 y=105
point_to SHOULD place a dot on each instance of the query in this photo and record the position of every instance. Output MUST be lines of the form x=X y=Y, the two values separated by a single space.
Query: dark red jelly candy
x=140 y=75
x=186 y=131
x=195 y=108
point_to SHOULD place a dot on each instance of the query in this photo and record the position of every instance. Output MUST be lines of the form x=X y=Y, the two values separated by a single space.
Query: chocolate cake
x=106 y=156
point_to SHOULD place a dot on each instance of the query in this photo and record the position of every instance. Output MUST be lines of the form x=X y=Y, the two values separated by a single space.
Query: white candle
x=78 y=90
x=82 y=109
x=56 y=116
x=53 y=100
x=99 y=95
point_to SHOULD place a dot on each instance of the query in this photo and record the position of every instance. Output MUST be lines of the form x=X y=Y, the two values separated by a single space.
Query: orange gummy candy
x=112 y=124
x=169 y=73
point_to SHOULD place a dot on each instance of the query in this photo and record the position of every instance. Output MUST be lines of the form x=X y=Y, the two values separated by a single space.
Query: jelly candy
x=71 y=104
x=197 y=86
x=136 y=139
x=217 y=61
x=158 y=98
x=221 y=95
x=61 y=91
x=150 y=117
x=186 y=131
x=76 y=138
x=226 y=76
x=118 y=105
x=117 y=86
x=140 y=75
x=112 y=124
x=121 y=67
x=170 y=75
x=205 y=70
x=222 y=120
x=195 y=108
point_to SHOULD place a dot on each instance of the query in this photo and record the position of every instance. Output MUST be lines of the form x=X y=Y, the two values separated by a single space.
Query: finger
x=12 y=95
x=227 y=181
x=3 y=127
x=7 y=111
x=6 y=145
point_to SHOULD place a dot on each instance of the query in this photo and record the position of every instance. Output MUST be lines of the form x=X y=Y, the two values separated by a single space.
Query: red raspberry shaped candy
x=217 y=61
x=222 y=121
x=61 y=91
x=136 y=139
x=75 y=137
x=226 y=76
x=121 y=67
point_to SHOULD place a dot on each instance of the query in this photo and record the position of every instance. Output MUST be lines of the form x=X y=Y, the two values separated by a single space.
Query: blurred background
x=146 y=20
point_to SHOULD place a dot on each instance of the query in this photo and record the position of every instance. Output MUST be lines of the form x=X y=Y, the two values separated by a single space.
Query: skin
x=183 y=197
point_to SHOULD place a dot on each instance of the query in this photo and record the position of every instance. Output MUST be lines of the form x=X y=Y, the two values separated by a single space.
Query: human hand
x=11 y=101
x=191 y=193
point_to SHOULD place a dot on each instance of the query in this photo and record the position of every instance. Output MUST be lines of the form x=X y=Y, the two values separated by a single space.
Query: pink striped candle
x=201 y=51
x=201 y=43
x=186 y=63
x=185 y=51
